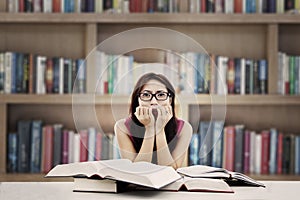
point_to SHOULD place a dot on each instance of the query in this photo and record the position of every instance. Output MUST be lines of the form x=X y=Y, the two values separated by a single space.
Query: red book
x=98 y=146
x=56 y=7
x=238 y=6
x=21 y=5
x=265 y=152
x=203 y=6
x=229 y=148
x=31 y=73
x=65 y=147
x=279 y=153
x=247 y=137
x=230 y=76
x=144 y=6
x=287 y=87
x=83 y=145
x=47 y=148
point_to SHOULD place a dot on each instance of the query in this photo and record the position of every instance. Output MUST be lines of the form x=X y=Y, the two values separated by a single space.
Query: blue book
x=14 y=72
x=273 y=151
x=36 y=149
x=205 y=153
x=217 y=151
x=263 y=76
x=12 y=154
x=194 y=149
x=24 y=141
x=297 y=155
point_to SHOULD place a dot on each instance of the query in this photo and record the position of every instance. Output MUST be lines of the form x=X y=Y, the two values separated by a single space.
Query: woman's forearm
x=164 y=156
x=146 y=151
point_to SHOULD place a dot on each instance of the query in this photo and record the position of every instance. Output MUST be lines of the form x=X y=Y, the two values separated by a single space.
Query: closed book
x=206 y=145
x=246 y=152
x=239 y=148
x=217 y=143
x=57 y=158
x=194 y=149
x=230 y=76
x=47 y=149
x=263 y=76
x=91 y=143
x=265 y=152
x=229 y=148
x=286 y=153
x=12 y=153
x=83 y=145
x=65 y=147
x=273 y=151
x=96 y=185
x=297 y=154
x=279 y=153
x=24 y=144
x=98 y=150
x=49 y=75
x=237 y=76
x=36 y=146
x=238 y=6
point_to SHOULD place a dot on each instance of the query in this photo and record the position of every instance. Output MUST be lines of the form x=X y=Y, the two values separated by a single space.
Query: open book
x=198 y=185
x=232 y=178
x=139 y=173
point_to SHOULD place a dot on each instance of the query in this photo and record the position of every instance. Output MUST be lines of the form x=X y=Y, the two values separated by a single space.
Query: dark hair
x=137 y=129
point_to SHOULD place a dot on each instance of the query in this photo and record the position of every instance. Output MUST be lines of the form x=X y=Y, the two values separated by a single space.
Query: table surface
x=285 y=190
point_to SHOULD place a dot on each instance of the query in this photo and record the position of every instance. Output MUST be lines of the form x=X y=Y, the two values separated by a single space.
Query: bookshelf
x=74 y=35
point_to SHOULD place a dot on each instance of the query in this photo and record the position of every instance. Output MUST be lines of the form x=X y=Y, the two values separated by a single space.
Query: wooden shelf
x=148 y=18
x=40 y=178
x=201 y=99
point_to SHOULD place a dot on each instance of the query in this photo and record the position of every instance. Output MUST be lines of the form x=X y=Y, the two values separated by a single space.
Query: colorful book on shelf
x=232 y=178
x=139 y=173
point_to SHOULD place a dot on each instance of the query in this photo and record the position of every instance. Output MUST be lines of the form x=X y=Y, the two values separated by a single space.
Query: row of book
x=150 y=6
x=239 y=149
x=37 y=74
x=288 y=74
x=189 y=73
x=37 y=147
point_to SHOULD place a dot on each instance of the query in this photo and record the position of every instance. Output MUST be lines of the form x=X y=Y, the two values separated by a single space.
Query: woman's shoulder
x=121 y=125
x=184 y=126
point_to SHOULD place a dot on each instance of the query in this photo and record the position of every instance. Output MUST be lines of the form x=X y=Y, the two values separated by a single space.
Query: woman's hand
x=164 y=114
x=145 y=116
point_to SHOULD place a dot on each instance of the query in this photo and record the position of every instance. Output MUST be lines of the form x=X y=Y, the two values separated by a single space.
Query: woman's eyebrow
x=150 y=91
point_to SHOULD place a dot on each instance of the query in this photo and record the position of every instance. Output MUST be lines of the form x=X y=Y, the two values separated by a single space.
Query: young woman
x=152 y=132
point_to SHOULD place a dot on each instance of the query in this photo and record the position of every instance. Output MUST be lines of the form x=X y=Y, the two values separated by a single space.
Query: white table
x=285 y=190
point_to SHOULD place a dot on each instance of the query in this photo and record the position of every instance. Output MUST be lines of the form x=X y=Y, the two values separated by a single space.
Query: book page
x=208 y=185
x=203 y=171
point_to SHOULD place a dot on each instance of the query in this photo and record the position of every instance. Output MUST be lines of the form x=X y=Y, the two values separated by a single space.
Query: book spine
x=265 y=154
x=239 y=147
x=36 y=141
x=24 y=146
x=57 y=159
x=12 y=154
x=65 y=147
x=83 y=146
x=279 y=153
x=246 y=151
x=194 y=149
x=273 y=150
x=47 y=152
x=229 y=148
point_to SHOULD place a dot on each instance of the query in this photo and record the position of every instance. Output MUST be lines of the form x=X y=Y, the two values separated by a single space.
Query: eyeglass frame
x=154 y=95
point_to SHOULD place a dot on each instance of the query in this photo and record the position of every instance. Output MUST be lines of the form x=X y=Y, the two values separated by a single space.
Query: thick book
x=199 y=185
x=230 y=177
x=139 y=173
x=96 y=185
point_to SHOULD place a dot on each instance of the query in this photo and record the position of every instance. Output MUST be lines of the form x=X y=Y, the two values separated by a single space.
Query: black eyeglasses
x=159 y=96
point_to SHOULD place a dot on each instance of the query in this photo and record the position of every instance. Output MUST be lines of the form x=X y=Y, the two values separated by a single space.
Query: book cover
x=24 y=144
x=36 y=145
x=139 y=173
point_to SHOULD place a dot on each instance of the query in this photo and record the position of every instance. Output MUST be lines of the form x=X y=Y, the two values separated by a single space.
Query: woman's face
x=154 y=87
